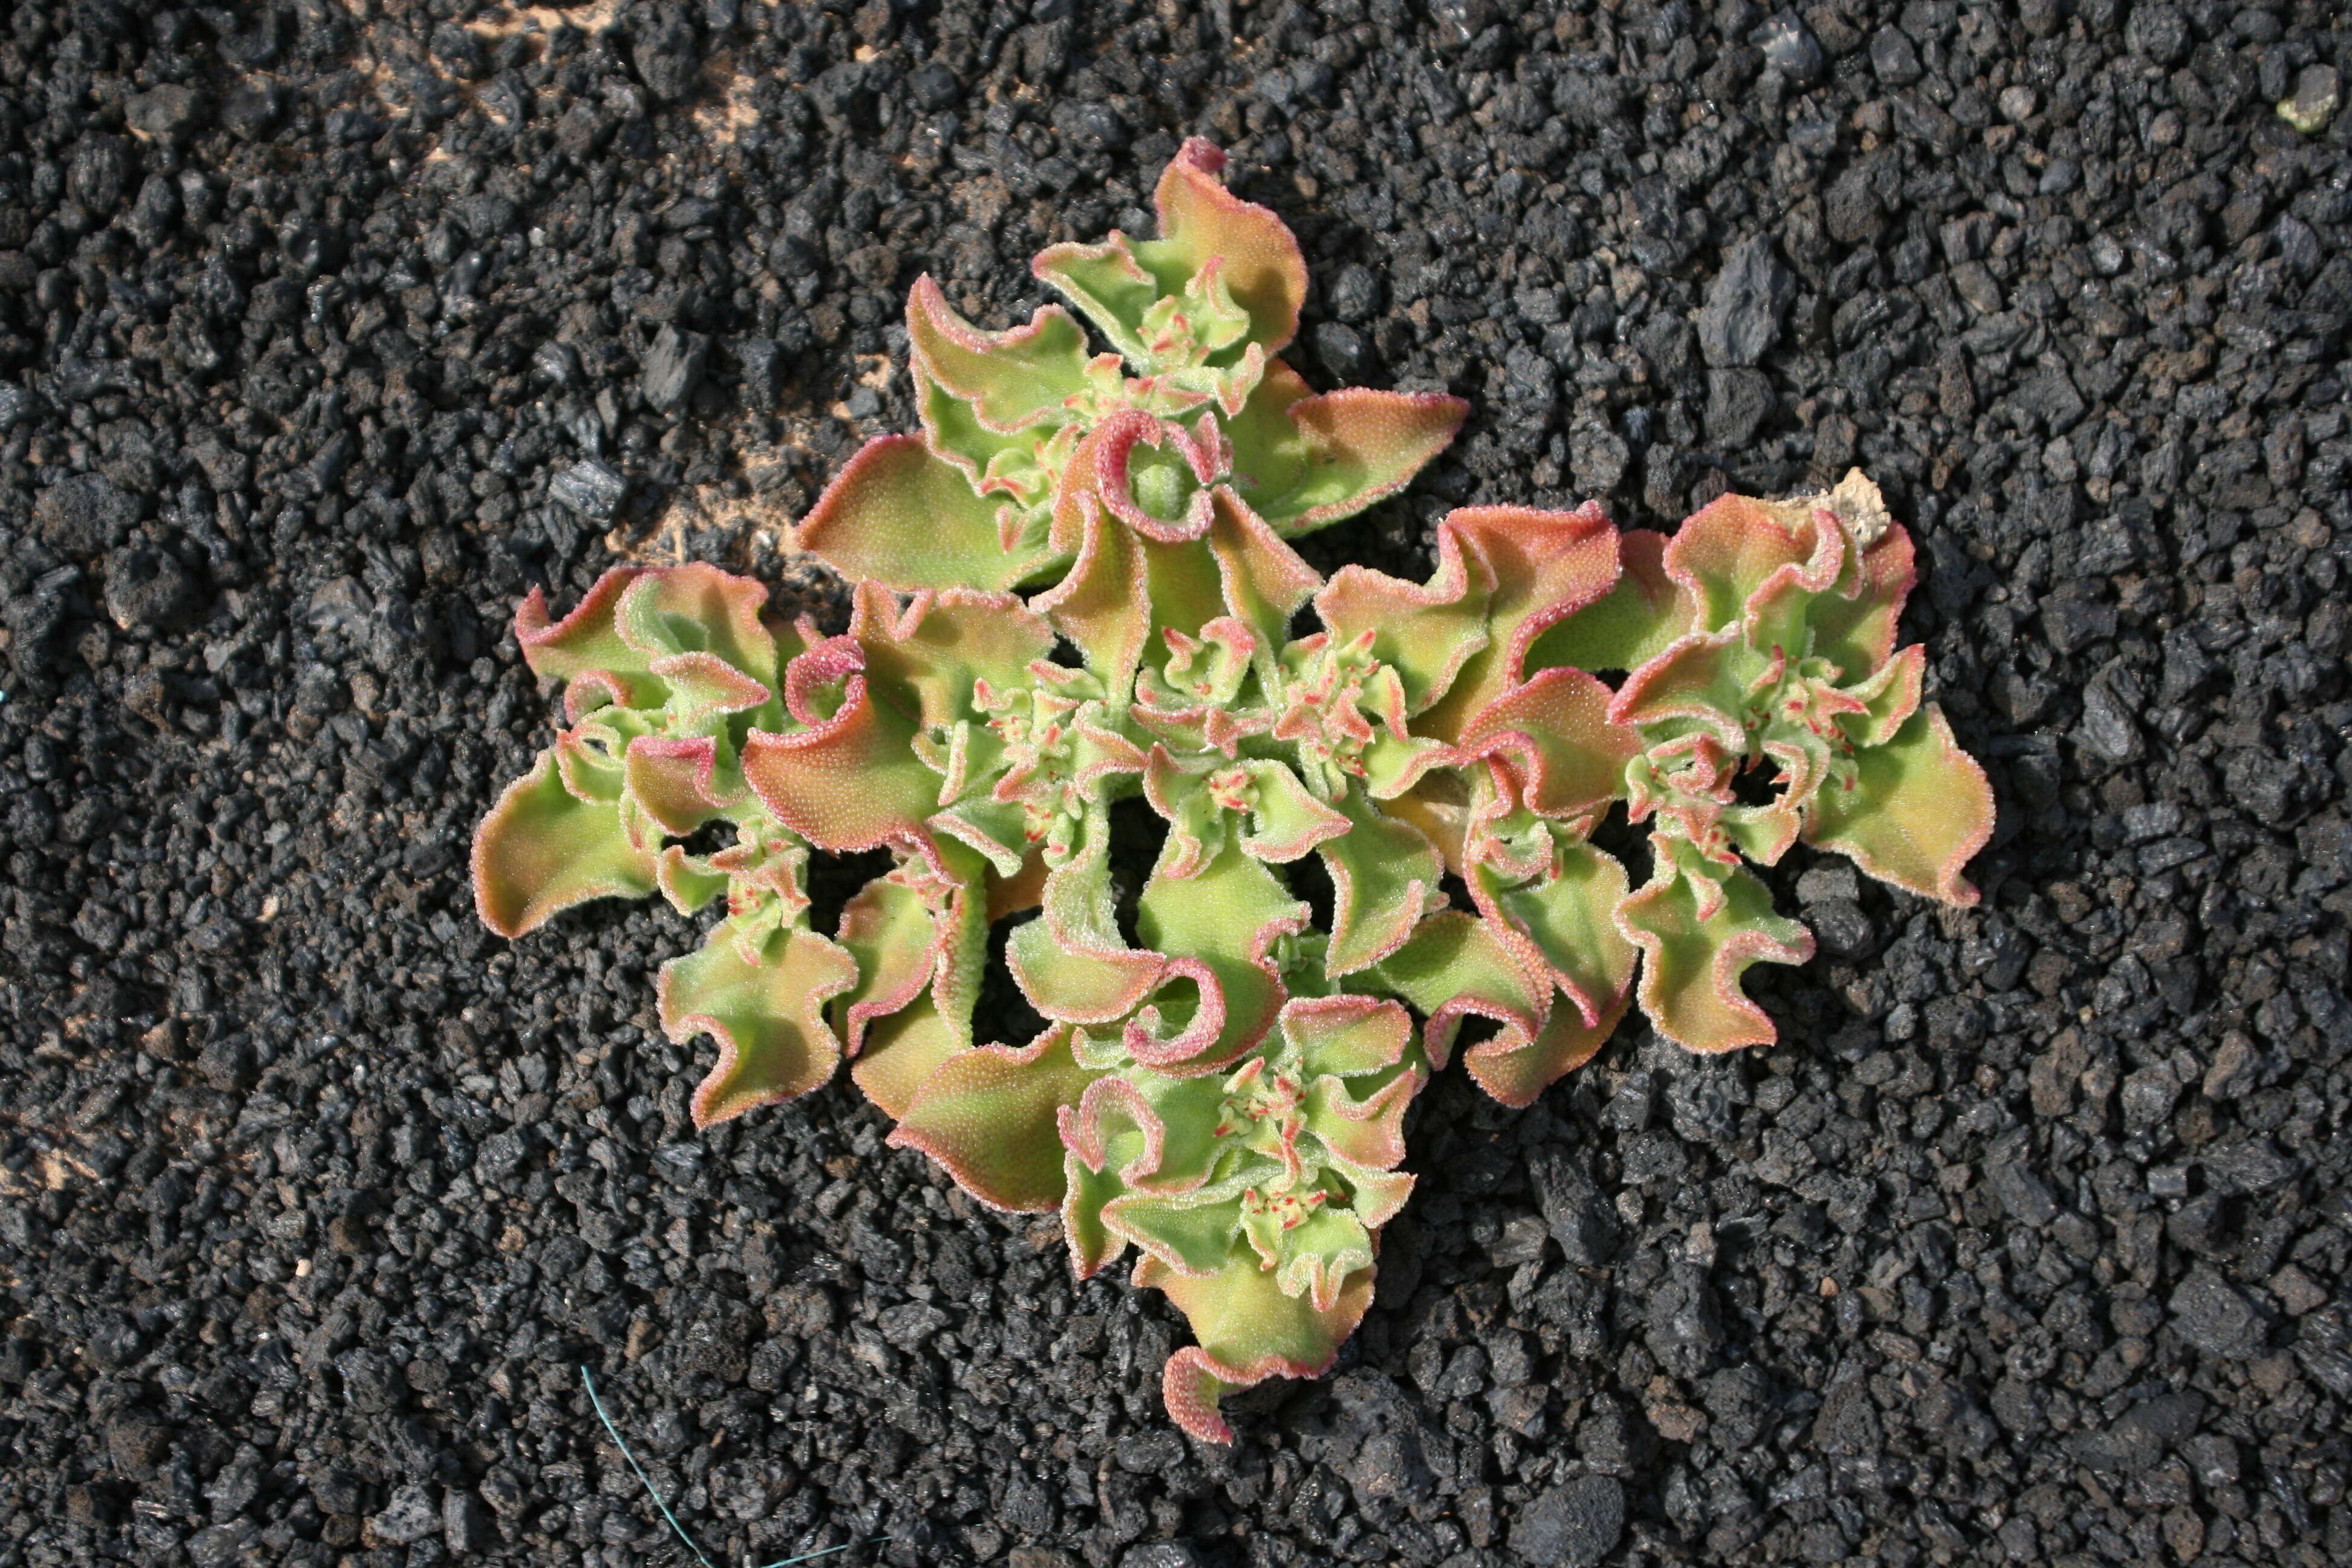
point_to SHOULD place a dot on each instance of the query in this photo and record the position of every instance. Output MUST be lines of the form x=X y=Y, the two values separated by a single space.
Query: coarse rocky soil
x=329 y=328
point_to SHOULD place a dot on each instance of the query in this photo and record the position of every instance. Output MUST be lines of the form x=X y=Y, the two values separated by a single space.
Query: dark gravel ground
x=2030 y=1242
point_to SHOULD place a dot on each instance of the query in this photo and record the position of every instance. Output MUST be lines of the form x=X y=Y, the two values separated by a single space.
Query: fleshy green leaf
x=1554 y=732
x=1540 y=567
x=1424 y=632
x=1918 y=809
x=899 y=515
x=1263 y=579
x=1515 y=1073
x=1888 y=698
x=991 y=1116
x=1630 y=625
x=1312 y=1255
x=1854 y=628
x=1286 y=818
x=927 y=657
x=895 y=939
x=1103 y=604
x=688 y=881
x=1346 y=1036
x=1192 y=1232
x=1201 y=223
x=1249 y=1331
x=766 y=1010
x=1200 y=220
x=1456 y=967
x=696 y=608
x=900 y=1052
x=1365 y=1130
x=1384 y=880
x=584 y=641
x=1110 y=285
x=1729 y=548
x=676 y=782
x=1303 y=460
x=1011 y=379
x=1224 y=917
x=1094 y=1246
x=1699 y=683
x=542 y=849
x=1566 y=917
x=850 y=783
x=1698 y=932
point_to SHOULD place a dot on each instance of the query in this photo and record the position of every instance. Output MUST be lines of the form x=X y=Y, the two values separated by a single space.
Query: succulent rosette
x=667 y=674
x=1760 y=638
x=1076 y=589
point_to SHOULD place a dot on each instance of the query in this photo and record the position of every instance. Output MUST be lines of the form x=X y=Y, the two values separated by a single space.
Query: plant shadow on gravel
x=314 y=1197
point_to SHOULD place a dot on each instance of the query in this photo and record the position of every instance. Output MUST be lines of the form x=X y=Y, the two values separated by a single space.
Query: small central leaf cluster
x=1222 y=1086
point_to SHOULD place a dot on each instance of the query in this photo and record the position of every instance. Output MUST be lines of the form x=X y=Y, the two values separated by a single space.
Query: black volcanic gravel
x=327 y=329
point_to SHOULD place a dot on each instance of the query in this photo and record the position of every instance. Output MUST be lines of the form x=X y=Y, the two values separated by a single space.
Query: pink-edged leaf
x=1515 y=1074
x=1566 y=919
x=1287 y=820
x=1887 y=698
x=1346 y=1036
x=1079 y=985
x=1384 y=881
x=1152 y=474
x=675 y=782
x=1731 y=548
x=1218 y=925
x=1203 y=226
x=900 y=1052
x=1109 y=284
x=1011 y=379
x=1698 y=683
x=1456 y=967
x=1554 y=734
x=927 y=655
x=1854 y=627
x=766 y=1010
x=1697 y=941
x=1561 y=923
x=1263 y=580
x=1366 y=1130
x=852 y=783
x=1249 y=1331
x=1304 y=460
x=991 y=1116
x=896 y=940
x=1315 y=1254
x=1629 y=626
x=705 y=689
x=1425 y=632
x=1163 y=1141
x=542 y=849
x=1094 y=1246
x=1200 y=220
x=1191 y=1232
x=1918 y=810
x=688 y=881
x=902 y=516
x=1540 y=567
x=586 y=640
x=1103 y=604
x=696 y=608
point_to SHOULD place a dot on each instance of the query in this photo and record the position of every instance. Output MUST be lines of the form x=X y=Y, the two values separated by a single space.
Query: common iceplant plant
x=1076 y=586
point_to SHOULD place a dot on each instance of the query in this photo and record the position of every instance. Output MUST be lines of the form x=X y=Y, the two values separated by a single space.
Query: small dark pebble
x=1572 y=1526
x=588 y=488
